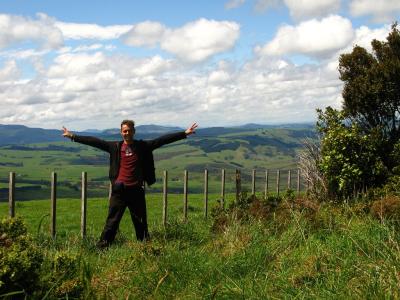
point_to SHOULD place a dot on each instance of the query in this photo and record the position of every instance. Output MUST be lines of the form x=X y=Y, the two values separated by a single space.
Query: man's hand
x=191 y=129
x=67 y=133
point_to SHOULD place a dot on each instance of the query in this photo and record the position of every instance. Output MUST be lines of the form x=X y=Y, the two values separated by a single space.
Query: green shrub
x=66 y=273
x=20 y=259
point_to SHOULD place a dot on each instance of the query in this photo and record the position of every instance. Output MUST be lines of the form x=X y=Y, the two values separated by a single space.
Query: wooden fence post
x=278 y=179
x=223 y=189
x=83 y=204
x=238 y=185
x=165 y=200
x=53 y=204
x=109 y=191
x=185 y=195
x=289 y=180
x=253 y=183
x=11 y=195
x=205 y=193
x=266 y=185
x=298 y=182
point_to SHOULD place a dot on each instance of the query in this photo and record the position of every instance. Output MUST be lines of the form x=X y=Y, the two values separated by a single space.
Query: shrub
x=388 y=208
x=66 y=271
x=20 y=259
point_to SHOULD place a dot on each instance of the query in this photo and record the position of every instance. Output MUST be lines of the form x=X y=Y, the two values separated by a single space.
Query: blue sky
x=89 y=64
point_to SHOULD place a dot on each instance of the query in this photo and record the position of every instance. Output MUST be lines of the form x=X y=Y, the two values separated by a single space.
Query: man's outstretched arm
x=172 y=137
x=87 y=140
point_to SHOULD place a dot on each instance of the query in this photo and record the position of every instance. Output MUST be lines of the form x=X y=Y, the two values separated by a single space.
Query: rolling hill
x=33 y=153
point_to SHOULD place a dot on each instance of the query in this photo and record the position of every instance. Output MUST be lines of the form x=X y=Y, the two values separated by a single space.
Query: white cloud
x=194 y=42
x=23 y=54
x=380 y=11
x=314 y=38
x=198 y=40
x=78 y=31
x=76 y=64
x=153 y=90
x=145 y=34
x=86 y=87
x=9 y=71
x=16 y=29
x=298 y=9
x=365 y=35
x=302 y=9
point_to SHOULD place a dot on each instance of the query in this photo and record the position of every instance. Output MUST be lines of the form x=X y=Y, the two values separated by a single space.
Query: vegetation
x=276 y=248
x=360 y=143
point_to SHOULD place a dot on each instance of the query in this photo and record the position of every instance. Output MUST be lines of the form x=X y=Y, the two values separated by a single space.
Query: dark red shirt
x=130 y=172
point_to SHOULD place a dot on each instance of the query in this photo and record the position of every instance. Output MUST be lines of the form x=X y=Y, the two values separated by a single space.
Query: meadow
x=268 y=249
x=285 y=246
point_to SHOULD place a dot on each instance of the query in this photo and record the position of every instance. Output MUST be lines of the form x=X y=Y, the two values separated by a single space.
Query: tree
x=371 y=93
x=348 y=158
x=360 y=143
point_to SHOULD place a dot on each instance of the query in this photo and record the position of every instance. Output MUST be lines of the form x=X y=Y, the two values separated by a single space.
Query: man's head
x=127 y=130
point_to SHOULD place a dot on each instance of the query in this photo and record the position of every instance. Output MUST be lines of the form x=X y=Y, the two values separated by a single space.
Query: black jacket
x=144 y=150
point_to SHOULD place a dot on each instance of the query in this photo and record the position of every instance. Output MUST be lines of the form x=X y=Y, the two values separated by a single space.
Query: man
x=131 y=165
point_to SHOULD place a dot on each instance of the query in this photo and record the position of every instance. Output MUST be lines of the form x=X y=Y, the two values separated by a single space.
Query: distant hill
x=20 y=134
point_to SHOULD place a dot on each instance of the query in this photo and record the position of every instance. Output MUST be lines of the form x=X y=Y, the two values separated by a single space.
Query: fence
x=238 y=192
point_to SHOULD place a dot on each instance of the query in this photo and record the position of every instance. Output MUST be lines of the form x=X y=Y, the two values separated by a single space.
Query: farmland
x=212 y=149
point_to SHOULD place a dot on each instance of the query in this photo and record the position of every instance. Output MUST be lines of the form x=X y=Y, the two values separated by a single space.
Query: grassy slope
x=33 y=168
x=337 y=252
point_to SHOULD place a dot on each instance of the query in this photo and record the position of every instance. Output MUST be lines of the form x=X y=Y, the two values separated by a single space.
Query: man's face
x=127 y=133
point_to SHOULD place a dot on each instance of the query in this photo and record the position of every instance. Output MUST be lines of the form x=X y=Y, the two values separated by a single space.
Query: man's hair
x=130 y=123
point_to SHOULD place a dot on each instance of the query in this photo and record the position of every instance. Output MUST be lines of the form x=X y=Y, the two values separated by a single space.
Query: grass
x=329 y=251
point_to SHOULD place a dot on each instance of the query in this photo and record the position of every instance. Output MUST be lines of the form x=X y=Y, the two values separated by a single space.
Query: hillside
x=212 y=148
x=20 y=134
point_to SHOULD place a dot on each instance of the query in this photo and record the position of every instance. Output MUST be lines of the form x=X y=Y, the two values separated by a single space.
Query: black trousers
x=121 y=198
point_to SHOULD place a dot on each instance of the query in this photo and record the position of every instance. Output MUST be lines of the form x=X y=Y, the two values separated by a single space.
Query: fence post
x=289 y=180
x=165 y=194
x=253 y=183
x=53 y=204
x=266 y=185
x=298 y=182
x=185 y=195
x=278 y=179
x=83 y=204
x=238 y=185
x=223 y=188
x=109 y=191
x=11 y=195
x=205 y=193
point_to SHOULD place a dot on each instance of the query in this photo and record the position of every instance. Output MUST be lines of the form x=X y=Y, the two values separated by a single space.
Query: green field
x=301 y=251
x=259 y=149
x=37 y=213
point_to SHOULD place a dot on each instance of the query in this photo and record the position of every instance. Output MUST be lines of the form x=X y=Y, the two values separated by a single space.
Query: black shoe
x=102 y=244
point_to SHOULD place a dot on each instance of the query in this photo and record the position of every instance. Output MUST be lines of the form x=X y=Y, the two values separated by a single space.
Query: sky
x=90 y=64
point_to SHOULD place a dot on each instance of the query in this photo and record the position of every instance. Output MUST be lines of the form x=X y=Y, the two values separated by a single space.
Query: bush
x=66 y=271
x=20 y=259
x=388 y=208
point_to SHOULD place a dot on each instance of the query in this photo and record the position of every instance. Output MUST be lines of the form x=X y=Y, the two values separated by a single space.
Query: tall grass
x=290 y=250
